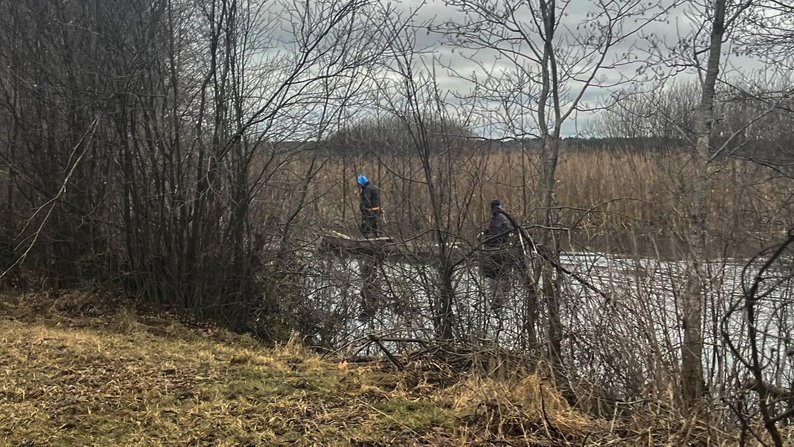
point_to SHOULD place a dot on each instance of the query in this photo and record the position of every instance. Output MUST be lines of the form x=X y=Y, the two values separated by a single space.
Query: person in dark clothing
x=369 y=204
x=495 y=261
x=498 y=229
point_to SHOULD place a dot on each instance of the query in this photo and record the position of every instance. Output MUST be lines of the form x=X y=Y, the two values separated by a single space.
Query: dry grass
x=75 y=372
x=122 y=379
x=90 y=377
x=613 y=200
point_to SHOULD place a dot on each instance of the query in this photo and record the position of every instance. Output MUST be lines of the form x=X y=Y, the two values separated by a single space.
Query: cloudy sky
x=575 y=41
x=630 y=54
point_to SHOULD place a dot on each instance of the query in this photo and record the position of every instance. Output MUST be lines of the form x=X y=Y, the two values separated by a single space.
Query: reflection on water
x=634 y=332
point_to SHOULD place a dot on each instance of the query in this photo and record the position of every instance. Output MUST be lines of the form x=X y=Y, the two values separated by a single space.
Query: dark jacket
x=497 y=230
x=369 y=199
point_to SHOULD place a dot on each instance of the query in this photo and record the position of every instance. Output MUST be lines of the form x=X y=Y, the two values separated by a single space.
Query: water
x=631 y=336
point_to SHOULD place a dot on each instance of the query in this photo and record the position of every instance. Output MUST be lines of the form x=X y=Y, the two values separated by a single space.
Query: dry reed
x=610 y=200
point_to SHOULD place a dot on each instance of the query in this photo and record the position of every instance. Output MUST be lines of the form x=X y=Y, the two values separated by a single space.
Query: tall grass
x=611 y=200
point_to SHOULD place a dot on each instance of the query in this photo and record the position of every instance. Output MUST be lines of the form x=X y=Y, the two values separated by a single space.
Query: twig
x=388 y=354
x=554 y=262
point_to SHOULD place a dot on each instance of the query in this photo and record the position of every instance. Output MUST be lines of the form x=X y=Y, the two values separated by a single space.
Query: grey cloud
x=675 y=25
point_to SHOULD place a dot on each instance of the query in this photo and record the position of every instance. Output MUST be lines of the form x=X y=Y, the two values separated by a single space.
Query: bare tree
x=714 y=23
x=416 y=102
x=767 y=32
x=196 y=101
x=551 y=54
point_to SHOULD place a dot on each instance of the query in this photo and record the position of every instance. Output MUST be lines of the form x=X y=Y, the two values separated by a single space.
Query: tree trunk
x=551 y=280
x=692 y=385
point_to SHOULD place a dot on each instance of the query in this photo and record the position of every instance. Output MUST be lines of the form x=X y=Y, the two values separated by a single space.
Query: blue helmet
x=362 y=180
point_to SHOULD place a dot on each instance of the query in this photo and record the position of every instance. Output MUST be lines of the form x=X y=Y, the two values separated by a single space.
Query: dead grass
x=613 y=200
x=94 y=376
x=126 y=380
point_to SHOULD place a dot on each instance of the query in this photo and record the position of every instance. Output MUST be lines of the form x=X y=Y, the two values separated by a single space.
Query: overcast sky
x=677 y=23
x=453 y=65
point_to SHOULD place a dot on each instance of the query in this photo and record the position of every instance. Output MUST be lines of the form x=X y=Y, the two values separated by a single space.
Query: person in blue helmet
x=369 y=204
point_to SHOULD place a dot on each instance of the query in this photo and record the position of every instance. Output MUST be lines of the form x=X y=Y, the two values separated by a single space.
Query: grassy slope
x=74 y=373
x=121 y=379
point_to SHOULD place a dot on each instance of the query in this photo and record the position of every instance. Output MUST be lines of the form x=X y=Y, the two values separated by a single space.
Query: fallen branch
x=388 y=354
x=775 y=392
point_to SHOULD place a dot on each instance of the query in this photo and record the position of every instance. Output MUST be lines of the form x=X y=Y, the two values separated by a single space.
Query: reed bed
x=610 y=200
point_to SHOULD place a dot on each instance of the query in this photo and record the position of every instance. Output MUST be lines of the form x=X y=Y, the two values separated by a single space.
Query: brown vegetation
x=192 y=153
x=79 y=372
x=612 y=200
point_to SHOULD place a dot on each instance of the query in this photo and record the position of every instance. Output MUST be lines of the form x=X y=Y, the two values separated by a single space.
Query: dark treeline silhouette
x=751 y=122
x=392 y=136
